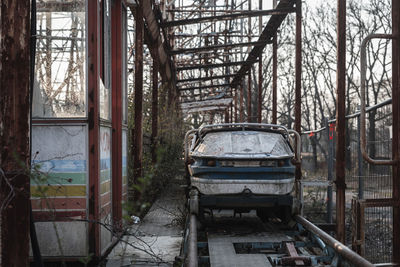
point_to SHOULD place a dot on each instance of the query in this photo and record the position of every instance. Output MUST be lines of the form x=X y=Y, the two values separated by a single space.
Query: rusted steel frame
x=341 y=121
x=205 y=78
x=249 y=113
x=159 y=46
x=56 y=6
x=204 y=87
x=338 y=246
x=298 y=69
x=116 y=72
x=245 y=14
x=226 y=115
x=236 y=105
x=217 y=65
x=241 y=106
x=396 y=127
x=14 y=133
x=293 y=255
x=363 y=60
x=154 y=111
x=260 y=79
x=266 y=36
x=93 y=10
x=138 y=133
x=275 y=80
x=211 y=47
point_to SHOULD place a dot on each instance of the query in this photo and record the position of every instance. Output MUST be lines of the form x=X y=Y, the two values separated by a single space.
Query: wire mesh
x=363 y=180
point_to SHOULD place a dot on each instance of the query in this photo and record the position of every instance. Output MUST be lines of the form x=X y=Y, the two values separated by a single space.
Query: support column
x=94 y=126
x=260 y=79
x=249 y=97
x=154 y=111
x=241 y=107
x=116 y=48
x=138 y=133
x=297 y=111
x=14 y=134
x=341 y=121
x=396 y=127
x=274 y=76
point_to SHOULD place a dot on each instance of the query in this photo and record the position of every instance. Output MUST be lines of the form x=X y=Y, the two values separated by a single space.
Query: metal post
x=226 y=115
x=249 y=97
x=94 y=126
x=14 y=133
x=260 y=79
x=396 y=127
x=249 y=113
x=116 y=31
x=274 y=76
x=360 y=161
x=298 y=77
x=241 y=107
x=154 y=111
x=138 y=134
x=330 y=172
x=341 y=121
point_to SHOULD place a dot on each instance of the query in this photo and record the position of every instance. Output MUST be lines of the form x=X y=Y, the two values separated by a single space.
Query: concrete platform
x=157 y=239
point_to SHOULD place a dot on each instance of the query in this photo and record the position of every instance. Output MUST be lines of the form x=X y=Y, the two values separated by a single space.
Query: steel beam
x=241 y=107
x=138 y=132
x=205 y=78
x=14 y=134
x=94 y=126
x=396 y=127
x=297 y=109
x=211 y=66
x=275 y=80
x=204 y=87
x=249 y=113
x=341 y=121
x=211 y=47
x=154 y=111
x=266 y=37
x=116 y=50
x=245 y=14
x=260 y=79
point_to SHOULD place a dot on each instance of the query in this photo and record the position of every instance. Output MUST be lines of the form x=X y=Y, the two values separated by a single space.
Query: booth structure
x=79 y=126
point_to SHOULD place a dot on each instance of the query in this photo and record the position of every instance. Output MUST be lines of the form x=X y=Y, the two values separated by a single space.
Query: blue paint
x=63 y=166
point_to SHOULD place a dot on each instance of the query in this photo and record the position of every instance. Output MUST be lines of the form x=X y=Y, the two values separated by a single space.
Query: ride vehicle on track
x=242 y=166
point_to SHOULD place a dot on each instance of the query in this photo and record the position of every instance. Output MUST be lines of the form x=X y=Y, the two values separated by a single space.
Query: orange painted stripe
x=58 y=203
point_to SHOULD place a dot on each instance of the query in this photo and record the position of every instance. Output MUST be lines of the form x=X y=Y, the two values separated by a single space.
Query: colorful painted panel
x=105 y=185
x=59 y=162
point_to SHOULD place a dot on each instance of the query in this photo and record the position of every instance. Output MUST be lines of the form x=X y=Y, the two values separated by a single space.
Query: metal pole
x=360 y=161
x=298 y=77
x=241 y=107
x=249 y=113
x=117 y=76
x=396 y=127
x=138 y=134
x=260 y=79
x=14 y=134
x=338 y=246
x=341 y=121
x=274 y=75
x=330 y=172
x=154 y=111
x=94 y=125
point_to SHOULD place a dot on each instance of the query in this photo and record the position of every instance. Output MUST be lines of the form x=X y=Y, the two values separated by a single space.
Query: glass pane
x=250 y=144
x=60 y=65
x=105 y=82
